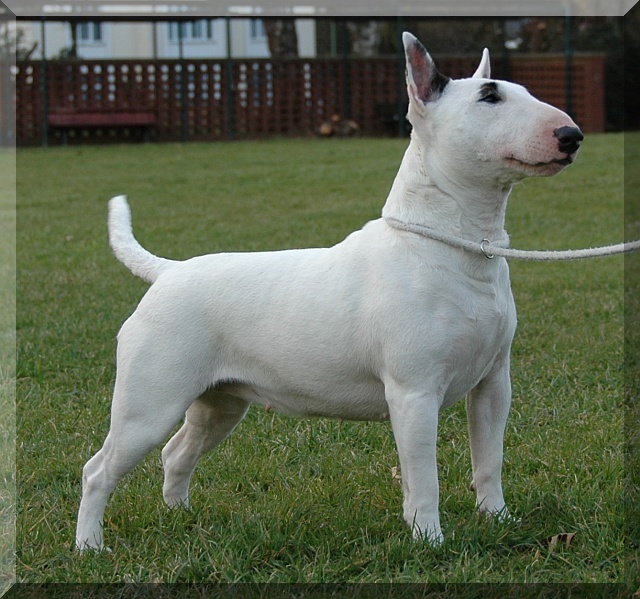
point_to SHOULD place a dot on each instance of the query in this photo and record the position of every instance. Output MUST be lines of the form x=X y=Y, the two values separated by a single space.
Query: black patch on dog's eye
x=489 y=93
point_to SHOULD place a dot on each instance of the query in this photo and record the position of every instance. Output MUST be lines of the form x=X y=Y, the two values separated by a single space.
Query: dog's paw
x=428 y=533
x=85 y=548
x=508 y=518
x=503 y=516
x=177 y=502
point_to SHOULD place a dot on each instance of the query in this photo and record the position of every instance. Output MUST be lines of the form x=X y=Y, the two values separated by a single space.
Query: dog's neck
x=419 y=196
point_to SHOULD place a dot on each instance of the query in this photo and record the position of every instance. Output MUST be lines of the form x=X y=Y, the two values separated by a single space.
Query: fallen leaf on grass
x=395 y=475
x=564 y=537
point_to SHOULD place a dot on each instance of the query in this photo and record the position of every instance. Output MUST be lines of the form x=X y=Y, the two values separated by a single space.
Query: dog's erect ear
x=424 y=82
x=484 y=69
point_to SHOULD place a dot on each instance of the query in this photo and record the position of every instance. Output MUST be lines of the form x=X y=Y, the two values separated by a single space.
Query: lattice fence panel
x=197 y=100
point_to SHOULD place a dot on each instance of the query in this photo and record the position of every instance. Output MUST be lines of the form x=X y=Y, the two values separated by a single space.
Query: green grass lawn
x=632 y=353
x=288 y=500
x=7 y=366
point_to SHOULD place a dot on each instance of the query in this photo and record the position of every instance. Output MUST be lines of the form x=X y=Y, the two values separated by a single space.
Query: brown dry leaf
x=563 y=537
x=396 y=475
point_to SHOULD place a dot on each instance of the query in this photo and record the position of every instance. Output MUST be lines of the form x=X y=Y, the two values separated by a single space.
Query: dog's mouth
x=551 y=166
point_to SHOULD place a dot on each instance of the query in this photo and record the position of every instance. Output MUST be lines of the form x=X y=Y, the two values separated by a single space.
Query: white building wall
x=148 y=40
x=132 y=40
x=102 y=47
x=306 y=29
x=54 y=41
x=168 y=44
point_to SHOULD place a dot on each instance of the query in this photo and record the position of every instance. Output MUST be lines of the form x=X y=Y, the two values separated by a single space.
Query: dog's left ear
x=424 y=82
x=484 y=69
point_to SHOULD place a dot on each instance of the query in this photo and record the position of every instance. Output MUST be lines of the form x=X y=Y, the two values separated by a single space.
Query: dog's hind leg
x=153 y=390
x=208 y=421
x=133 y=434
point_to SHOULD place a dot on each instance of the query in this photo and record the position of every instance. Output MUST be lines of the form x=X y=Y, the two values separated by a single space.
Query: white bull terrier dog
x=386 y=324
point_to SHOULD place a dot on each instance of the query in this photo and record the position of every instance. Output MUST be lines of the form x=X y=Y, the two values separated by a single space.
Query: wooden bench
x=105 y=120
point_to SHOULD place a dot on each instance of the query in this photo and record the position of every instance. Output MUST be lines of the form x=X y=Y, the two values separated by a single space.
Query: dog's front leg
x=487 y=411
x=414 y=419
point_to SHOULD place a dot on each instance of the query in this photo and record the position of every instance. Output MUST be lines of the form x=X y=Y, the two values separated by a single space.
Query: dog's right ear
x=484 y=68
x=424 y=82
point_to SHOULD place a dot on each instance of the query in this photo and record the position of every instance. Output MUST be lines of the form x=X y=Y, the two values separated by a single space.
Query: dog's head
x=496 y=125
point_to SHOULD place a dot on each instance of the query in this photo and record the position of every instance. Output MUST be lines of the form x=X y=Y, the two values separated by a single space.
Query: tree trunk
x=282 y=38
x=366 y=37
x=73 y=53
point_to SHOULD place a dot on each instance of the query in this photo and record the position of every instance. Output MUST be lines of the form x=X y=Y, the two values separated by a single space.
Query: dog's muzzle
x=569 y=139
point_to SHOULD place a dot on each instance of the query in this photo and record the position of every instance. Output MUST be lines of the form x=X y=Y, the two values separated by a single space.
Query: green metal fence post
x=346 y=75
x=44 y=87
x=229 y=96
x=568 y=74
x=184 y=121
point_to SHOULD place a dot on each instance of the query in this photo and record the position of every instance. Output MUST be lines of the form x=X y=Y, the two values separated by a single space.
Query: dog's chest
x=479 y=327
x=452 y=330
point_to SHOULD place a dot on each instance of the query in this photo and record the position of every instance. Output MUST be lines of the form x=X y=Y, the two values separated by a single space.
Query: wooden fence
x=218 y=99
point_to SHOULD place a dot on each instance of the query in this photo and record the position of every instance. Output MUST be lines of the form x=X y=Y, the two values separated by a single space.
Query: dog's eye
x=491 y=98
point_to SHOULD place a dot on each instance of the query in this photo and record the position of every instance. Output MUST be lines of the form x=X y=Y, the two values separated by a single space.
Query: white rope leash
x=492 y=249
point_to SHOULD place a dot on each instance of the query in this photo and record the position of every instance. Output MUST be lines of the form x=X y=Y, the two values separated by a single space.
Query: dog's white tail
x=125 y=246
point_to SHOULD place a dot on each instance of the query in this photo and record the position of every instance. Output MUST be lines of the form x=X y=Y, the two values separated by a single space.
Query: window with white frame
x=194 y=31
x=258 y=31
x=257 y=43
x=89 y=33
x=92 y=39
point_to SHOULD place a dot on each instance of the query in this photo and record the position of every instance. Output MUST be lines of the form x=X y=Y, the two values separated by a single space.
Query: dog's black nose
x=569 y=139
